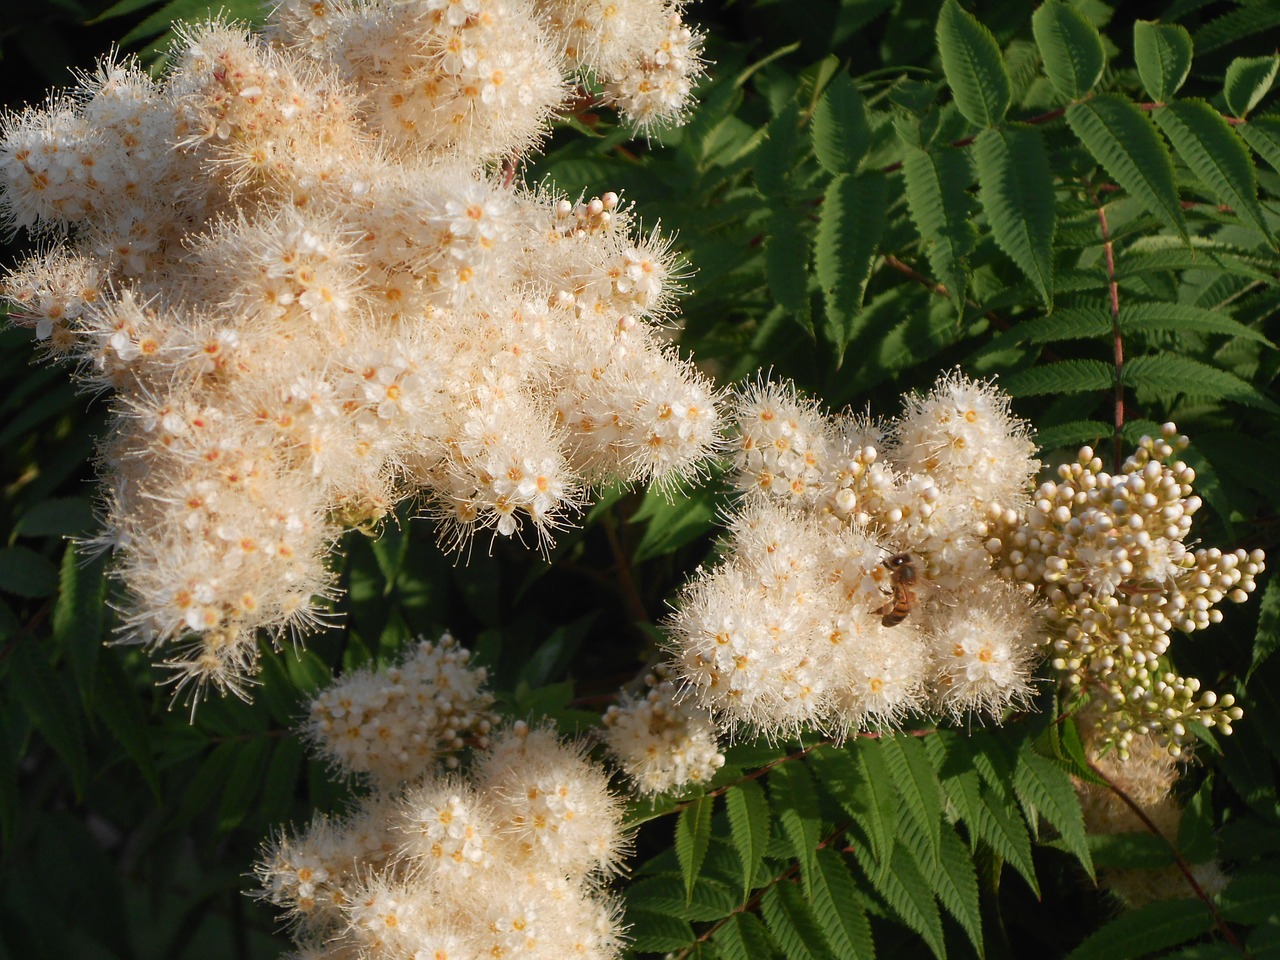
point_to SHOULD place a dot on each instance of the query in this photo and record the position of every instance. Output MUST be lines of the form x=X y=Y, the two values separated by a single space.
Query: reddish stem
x=1117 y=342
x=997 y=321
x=626 y=580
x=1148 y=107
x=965 y=141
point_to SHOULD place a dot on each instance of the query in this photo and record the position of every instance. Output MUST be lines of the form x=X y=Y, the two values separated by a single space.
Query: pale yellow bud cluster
x=293 y=266
x=1108 y=554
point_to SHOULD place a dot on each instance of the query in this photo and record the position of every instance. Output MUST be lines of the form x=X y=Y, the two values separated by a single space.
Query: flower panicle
x=874 y=570
x=293 y=266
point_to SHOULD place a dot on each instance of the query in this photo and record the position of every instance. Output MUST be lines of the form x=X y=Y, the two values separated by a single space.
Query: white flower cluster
x=661 y=741
x=511 y=55
x=1108 y=552
x=641 y=51
x=391 y=723
x=856 y=587
x=509 y=862
x=311 y=299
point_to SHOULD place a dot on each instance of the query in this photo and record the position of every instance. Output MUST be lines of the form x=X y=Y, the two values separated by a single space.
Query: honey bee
x=903 y=578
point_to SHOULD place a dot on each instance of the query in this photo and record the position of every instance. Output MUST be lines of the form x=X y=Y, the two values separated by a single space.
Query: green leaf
x=1122 y=138
x=748 y=812
x=658 y=932
x=1016 y=189
x=78 y=614
x=776 y=157
x=956 y=885
x=1069 y=749
x=554 y=654
x=1130 y=851
x=711 y=900
x=121 y=8
x=1154 y=254
x=278 y=694
x=1072 y=434
x=1209 y=146
x=1195 y=829
x=1163 y=52
x=1248 y=80
x=937 y=183
x=243 y=782
x=1267 y=638
x=879 y=802
x=25 y=573
x=1063 y=376
x=742 y=937
x=910 y=896
x=1073 y=323
x=1183 y=317
x=919 y=796
x=1263 y=135
x=119 y=708
x=1138 y=933
x=162 y=20
x=1002 y=828
x=796 y=806
x=994 y=758
x=47 y=701
x=390 y=550
x=973 y=66
x=1251 y=895
x=1170 y=373
x=792 y=923
x=1044 y=788
x=673 y=523
x=59 y=517
x=856 y=776
x=693 y=836
x=849 y=228
x=642 y=809
x=786 y=265
x=840 y=130
x=281 y=779
x=838 y=909
x=307 y=671
x=1250 y=20
x=1070 y=48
